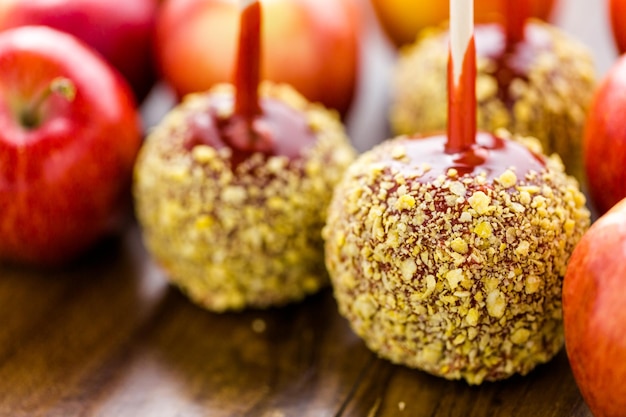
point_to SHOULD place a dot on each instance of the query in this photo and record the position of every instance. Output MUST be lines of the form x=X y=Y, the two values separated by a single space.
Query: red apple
x=604 y=142
x=121 y=31
x=310 y=44
x=617 y=12
x=402 y=20
x=69 y=134
x=594 y=313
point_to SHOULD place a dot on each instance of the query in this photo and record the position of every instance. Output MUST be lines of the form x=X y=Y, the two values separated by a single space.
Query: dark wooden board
x=110 y=337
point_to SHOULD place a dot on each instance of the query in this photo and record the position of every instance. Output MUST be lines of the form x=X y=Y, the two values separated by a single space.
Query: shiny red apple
x=121 y=31
x=69 y=134
x=604 y=143
x=617 y=13
x=594 y=314
x=402 y=20
x=311 y=44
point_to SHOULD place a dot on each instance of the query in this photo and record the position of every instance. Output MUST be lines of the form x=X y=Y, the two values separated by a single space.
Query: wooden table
x=109 y=337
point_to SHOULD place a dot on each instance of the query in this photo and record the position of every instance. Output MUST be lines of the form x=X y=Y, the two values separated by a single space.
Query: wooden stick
x=247 y=70
x=461 y=78
x=517 y=12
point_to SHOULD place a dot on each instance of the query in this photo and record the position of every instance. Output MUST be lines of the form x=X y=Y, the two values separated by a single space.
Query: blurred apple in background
x=604 y=143
x=311 y=44
x=594 y=314
x=617 y=13
x=121 y=31
x=69 y=135
x=492 y=10
x=402 y=20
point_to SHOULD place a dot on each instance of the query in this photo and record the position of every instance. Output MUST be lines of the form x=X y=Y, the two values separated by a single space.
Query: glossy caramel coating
x=541 y=88
x=456 y=275
x=245 y=234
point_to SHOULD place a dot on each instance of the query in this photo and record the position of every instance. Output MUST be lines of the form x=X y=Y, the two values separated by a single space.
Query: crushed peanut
x=480 y=202
x=459 y=245
x=483 y=230
x=507 y=179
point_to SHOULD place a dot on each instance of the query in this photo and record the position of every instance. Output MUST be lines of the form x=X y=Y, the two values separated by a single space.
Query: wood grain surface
x=107 y=336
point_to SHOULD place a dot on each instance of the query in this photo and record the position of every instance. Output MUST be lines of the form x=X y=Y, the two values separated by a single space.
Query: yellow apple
x=402 y=20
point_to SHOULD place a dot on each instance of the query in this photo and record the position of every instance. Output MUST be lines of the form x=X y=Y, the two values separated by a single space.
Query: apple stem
x=461 y=78
x=30 y=117
x=517 y=12
x=247 y=70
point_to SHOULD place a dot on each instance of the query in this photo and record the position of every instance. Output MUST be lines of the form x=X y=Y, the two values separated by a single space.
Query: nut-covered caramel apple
x=231 y=189
x=447 y=253
x=452 y=269
x=538 y=84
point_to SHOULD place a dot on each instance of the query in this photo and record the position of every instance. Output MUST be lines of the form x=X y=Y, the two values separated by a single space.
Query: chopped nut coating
x=464 y=288
x=243 y=237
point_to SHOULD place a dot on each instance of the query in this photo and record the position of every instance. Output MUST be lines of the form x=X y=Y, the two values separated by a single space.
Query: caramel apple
x=447 y=252
x=532 y=79
x=232 y=188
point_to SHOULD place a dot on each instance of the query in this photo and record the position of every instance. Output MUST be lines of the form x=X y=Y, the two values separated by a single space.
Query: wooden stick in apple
x=461 y=78
x=516 y=14
x=248 y=60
